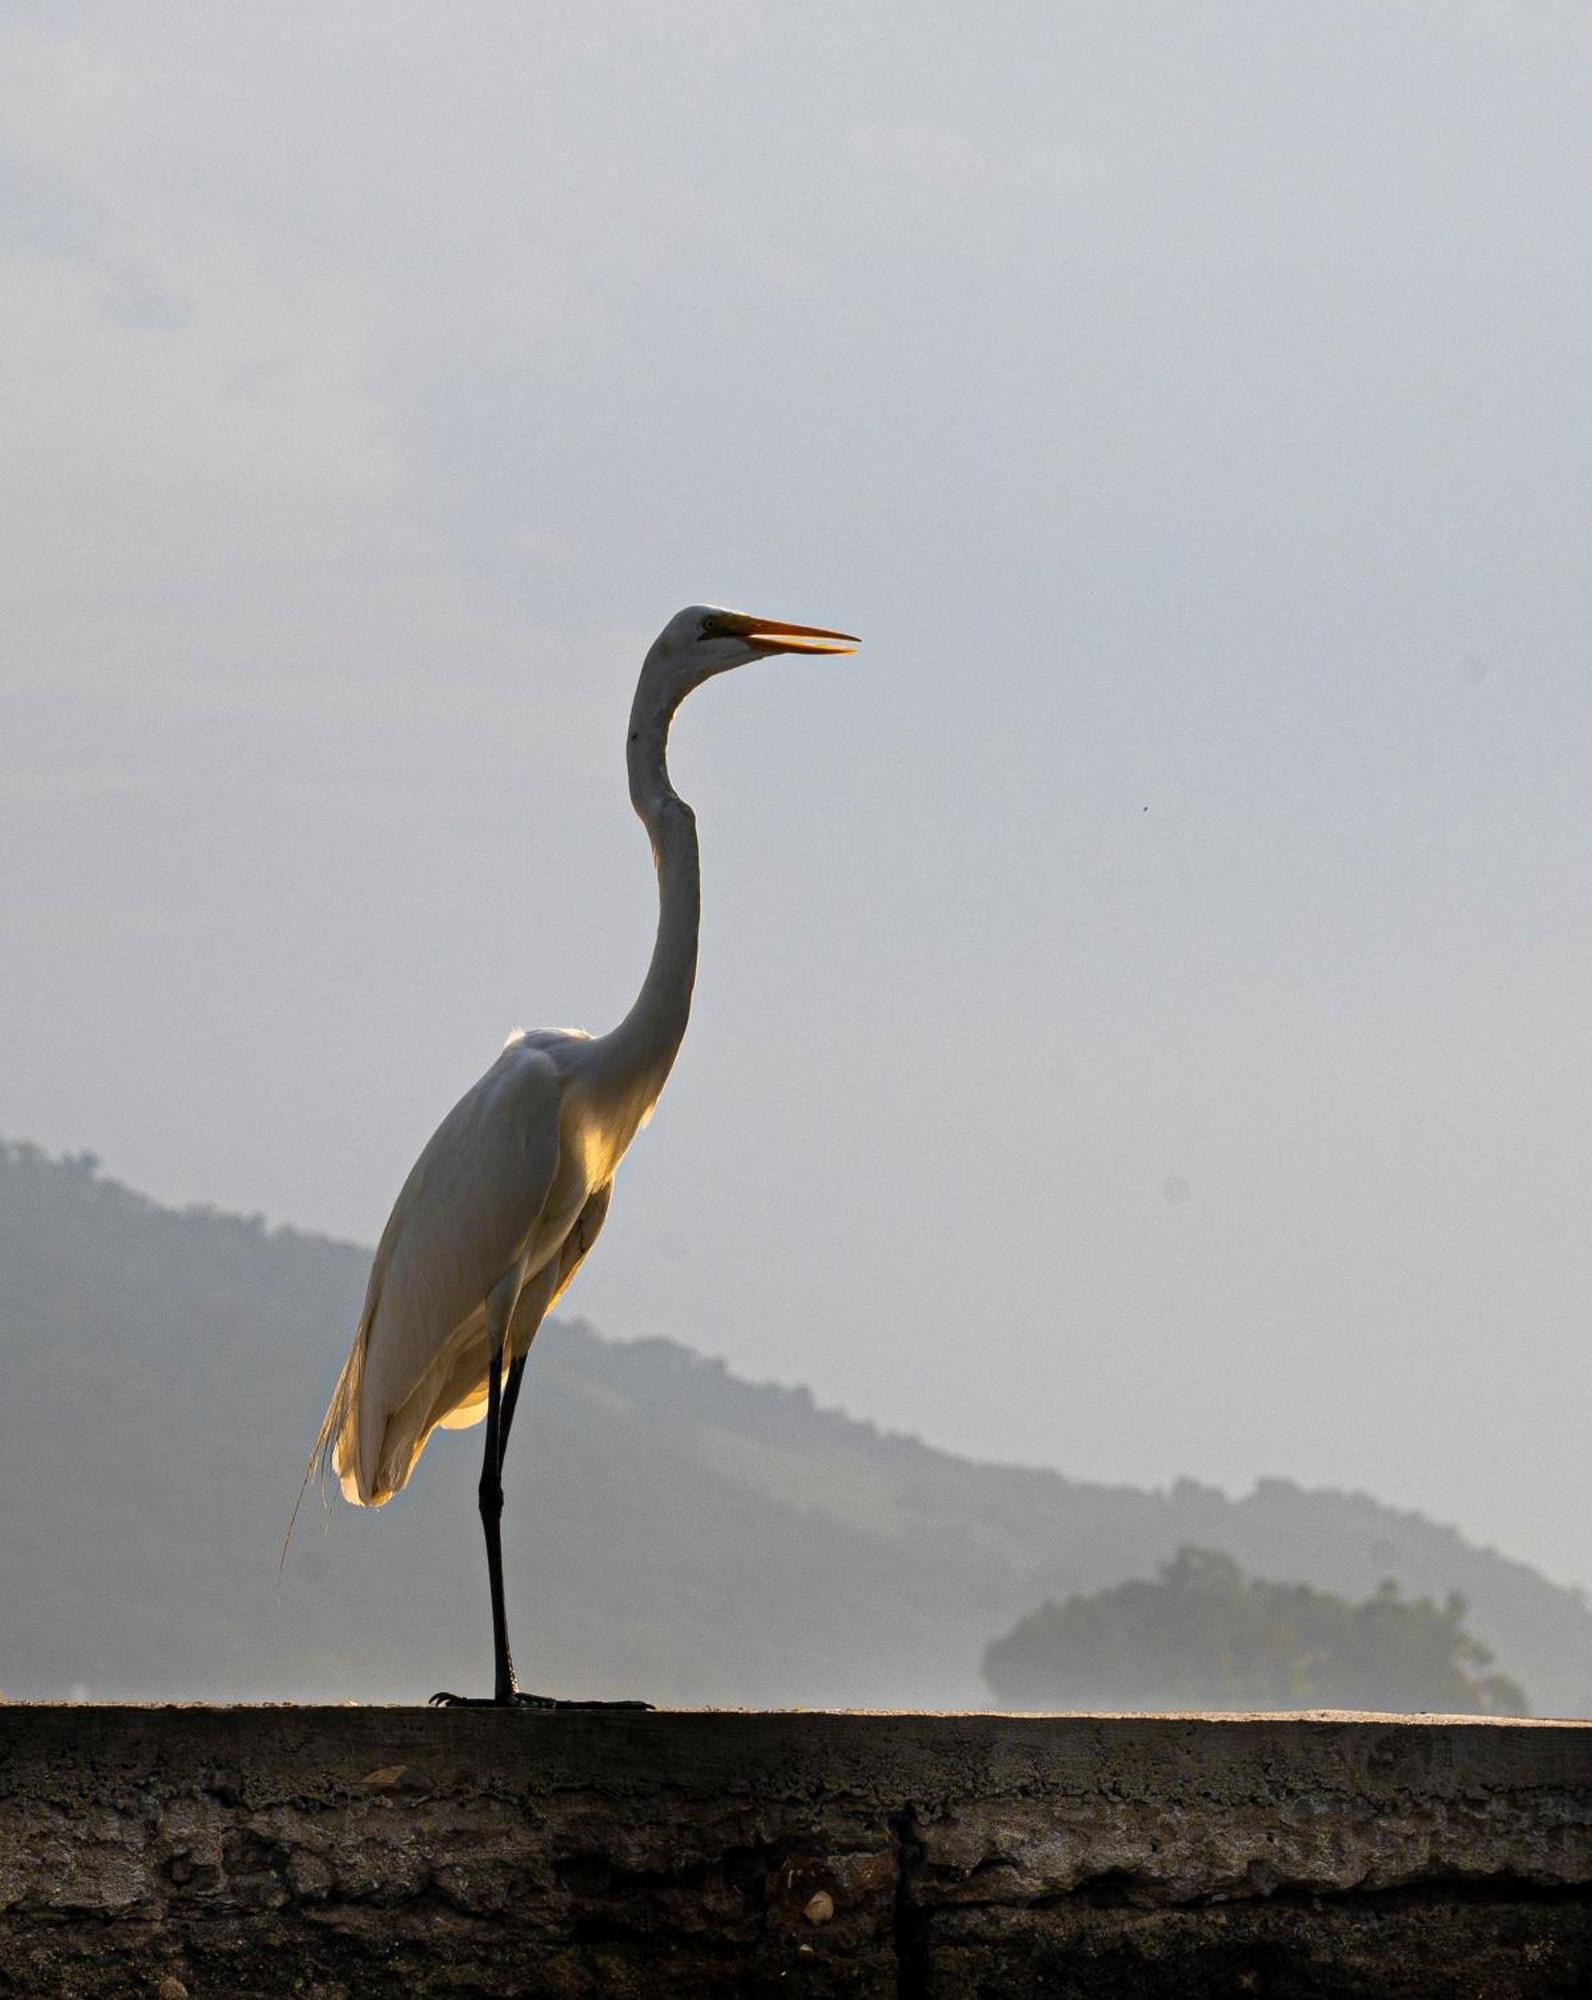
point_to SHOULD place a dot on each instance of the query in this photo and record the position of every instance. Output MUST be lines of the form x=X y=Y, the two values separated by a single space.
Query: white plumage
x=498 y=1186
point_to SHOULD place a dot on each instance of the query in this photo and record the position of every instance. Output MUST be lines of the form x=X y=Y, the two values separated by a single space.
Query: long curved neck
x=639 y=1053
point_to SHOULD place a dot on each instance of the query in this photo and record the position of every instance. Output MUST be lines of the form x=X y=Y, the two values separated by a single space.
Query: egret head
x=705 y=639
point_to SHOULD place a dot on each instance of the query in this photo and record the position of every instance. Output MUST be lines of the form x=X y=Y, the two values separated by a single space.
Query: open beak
x=770 y=635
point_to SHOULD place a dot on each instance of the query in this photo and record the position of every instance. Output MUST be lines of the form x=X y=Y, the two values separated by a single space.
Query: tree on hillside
x=1202 y=1635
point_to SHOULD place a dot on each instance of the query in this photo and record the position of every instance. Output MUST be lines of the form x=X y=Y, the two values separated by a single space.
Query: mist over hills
x=671 y=1530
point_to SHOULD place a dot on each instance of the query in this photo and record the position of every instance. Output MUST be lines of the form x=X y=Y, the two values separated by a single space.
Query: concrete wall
x=344 y=1853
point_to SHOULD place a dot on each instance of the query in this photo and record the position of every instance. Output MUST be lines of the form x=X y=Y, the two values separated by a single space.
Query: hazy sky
x=1143 y=1022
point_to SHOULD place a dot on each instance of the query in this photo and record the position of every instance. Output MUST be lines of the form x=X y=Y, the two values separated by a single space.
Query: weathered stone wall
x=358 y=1852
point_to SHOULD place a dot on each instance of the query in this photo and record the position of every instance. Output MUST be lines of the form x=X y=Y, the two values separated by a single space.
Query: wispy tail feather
x=328 y=1453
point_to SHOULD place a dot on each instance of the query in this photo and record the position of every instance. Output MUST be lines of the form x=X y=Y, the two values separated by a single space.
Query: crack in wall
x=909 y=1923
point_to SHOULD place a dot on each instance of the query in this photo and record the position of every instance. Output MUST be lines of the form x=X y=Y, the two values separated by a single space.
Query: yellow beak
x=772 y=635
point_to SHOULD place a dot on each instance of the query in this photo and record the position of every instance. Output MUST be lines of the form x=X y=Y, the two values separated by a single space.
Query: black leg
x=511 y=1395
x=491 y=1501
x=501 y=1399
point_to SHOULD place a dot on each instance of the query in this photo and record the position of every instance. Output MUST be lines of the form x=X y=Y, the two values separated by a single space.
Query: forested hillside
x=671 y=1531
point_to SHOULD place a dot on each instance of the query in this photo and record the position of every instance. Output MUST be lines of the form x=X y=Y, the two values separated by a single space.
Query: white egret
x=507 y=1198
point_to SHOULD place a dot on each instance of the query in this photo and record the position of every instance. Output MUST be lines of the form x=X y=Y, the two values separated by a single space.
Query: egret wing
x=466 y=1399
x=465 y=1217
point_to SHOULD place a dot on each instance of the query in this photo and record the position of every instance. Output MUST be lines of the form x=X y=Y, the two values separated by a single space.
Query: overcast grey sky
x=1143 y=1017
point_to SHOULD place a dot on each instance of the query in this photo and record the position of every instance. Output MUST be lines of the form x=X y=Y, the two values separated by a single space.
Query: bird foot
x=520 y=1699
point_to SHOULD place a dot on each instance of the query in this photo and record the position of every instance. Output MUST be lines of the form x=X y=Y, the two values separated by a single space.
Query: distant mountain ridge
x=671 y=1529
